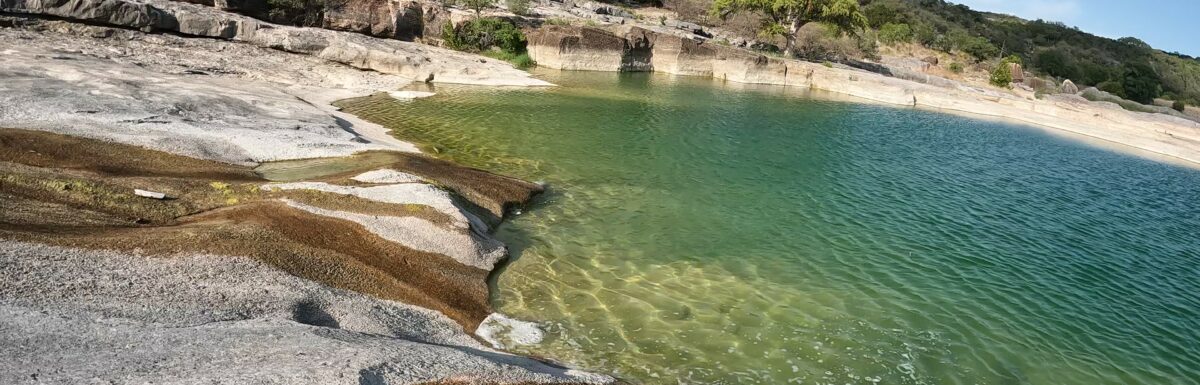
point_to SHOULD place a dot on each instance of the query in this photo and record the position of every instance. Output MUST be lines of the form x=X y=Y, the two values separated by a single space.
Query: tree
x=1141 y=83
x=1134 y=42
x=478 y=5
x=1056 y=63
x=1002 y=75
x=892 y=33
x=520 y=7
x=978 y=47
x=785 y=17
x=881 y=12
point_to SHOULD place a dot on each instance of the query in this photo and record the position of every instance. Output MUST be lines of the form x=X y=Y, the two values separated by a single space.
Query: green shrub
x=979 y=48
x=925 y=34
x=482 y=34
x=867 y=45
x=1179 y=105
x=1141 y=83
x=892 y=33
x=1130 y=105
x=1056 y=63
x=880 y=13
x=1092 y=73
x=1112 y=88
x=956 y=67
x=519 y=60
x=1002 y=75
x=520 y=7
x=478 y=5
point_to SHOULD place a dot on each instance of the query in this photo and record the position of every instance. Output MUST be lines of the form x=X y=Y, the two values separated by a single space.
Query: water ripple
x=698 y=232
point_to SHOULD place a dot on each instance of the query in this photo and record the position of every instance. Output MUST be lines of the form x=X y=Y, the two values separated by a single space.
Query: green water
x=696 y=232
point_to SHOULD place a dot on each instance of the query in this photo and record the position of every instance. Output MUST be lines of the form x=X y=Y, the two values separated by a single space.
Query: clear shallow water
x=702 y=233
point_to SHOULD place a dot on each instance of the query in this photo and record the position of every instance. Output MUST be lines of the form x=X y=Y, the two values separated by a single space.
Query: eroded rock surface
x=411 y=60
x=213 y=319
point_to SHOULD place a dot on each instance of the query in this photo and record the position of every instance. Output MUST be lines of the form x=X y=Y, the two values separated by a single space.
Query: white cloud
x=1052 y=10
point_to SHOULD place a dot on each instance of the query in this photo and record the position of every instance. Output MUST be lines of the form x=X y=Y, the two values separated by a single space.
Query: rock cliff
x=411 y=60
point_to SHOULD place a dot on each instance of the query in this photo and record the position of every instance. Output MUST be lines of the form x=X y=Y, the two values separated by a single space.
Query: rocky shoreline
x=638 y=47
x=374 y=272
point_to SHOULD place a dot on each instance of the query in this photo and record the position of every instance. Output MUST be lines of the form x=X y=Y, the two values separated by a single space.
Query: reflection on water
x=698 y=232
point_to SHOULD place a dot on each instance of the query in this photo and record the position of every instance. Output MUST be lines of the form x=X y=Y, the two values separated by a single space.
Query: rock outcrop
x=631 y=49
x=392 y=19
x=1069 y=87
x=412 y=60
x=1018 y=73
x=230 y=281
x=577 y=48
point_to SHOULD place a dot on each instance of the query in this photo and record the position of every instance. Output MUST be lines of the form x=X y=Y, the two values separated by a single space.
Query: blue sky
x=1169 y=25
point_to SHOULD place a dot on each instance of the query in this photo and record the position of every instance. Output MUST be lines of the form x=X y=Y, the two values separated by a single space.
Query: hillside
x=1127 y=67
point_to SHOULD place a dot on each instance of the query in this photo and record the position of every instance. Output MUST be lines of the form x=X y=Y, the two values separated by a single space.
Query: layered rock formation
x=632 y=48
x=360 y=277
x=414 y=61
x=578 y=48
x=393 y=19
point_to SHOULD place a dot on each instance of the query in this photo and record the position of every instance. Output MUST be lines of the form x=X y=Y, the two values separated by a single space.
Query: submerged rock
x=410 y=95
x=504 y=332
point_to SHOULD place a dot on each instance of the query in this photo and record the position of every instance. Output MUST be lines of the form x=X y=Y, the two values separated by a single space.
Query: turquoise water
x=697 y=232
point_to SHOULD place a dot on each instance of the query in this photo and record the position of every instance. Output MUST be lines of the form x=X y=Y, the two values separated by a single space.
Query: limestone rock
x=576 y=48
x=631 y=49
x=682 y=56
x=433 y=18
x=403 y=19
x=932 y=60
x=605 y=9
x=747 y=67
x=246 y=7
x=1069 y=87
x=415 y=61
x=1018 y=75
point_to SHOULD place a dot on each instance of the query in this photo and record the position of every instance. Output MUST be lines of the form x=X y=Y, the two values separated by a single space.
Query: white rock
x=410 y=95
x=405 y=193
x=386 y=175
x=468 y=247
x=149 y=194
x=504 y=332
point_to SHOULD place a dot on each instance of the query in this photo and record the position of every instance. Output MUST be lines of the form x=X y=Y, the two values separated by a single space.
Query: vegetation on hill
x=1125 y=67
x=785 y=18
x=833 y=30
x=489 y=36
